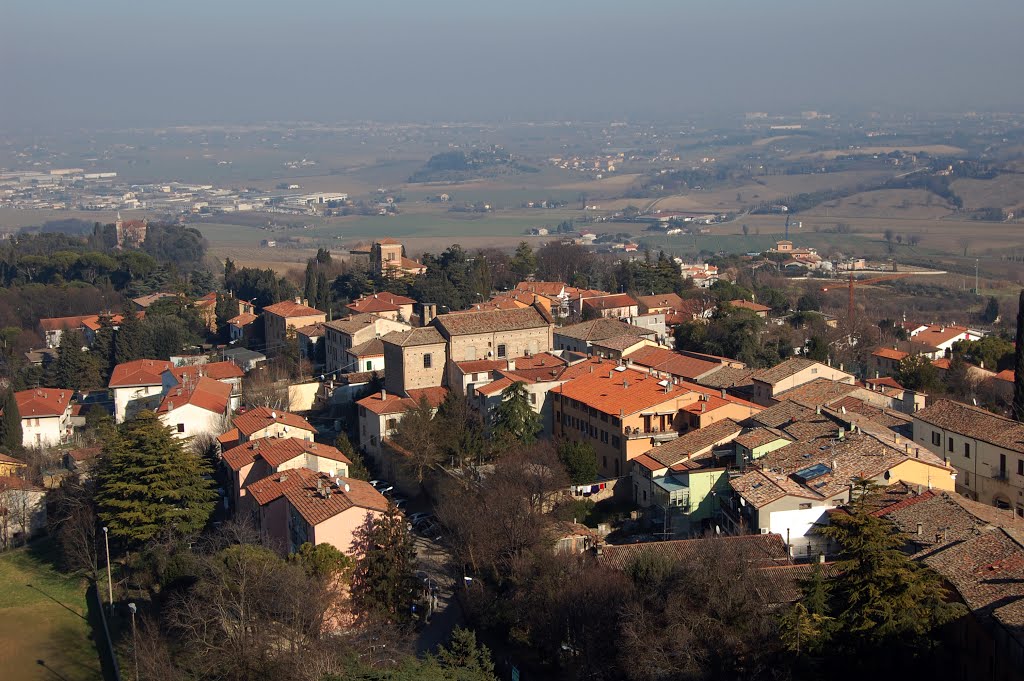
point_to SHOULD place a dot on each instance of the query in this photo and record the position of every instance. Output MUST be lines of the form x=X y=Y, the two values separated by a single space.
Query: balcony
x=656 y=435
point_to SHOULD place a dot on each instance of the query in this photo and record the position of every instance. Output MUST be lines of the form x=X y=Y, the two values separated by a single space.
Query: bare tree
x=73 y=523
x=263 y=390
x=419 y=434
x=964 y=243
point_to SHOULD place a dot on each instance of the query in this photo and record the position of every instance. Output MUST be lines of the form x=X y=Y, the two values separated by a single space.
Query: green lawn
x=43 y=618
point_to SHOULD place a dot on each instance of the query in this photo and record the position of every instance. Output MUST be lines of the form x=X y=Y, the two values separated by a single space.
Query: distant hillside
x=458 y=166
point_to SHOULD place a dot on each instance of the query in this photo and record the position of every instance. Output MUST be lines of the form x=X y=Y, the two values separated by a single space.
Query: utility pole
x=110 y=580
x=976 y=277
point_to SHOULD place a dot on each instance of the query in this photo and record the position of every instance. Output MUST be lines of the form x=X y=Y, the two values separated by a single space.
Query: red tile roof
x=610 y=302
x=206 y=393
x=671 y=362
x=256 y=419
x=380 y=302
x=11 y=461
x=277 y=451
x=747 y=305
x=289 y=308
x=218 y=371
x=890 y=353
x=396 y=404
x=494 y=321
x=1006 y=375
x=43 y=402
x=138 y=373
x=11 y=482
x=305 y=490
x=243 y=319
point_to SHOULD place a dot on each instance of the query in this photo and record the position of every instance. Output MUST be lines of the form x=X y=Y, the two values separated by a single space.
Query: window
x=369 y=365
x=967 y=449
x=604 y=462
x=181 y=427
x=967 y=479
x=949 y=445
x=501 y=350
x=533 y=398
x=936 y=439
x=805 y=505
x=616 y=442
x=427 y=361
x=1020 y=466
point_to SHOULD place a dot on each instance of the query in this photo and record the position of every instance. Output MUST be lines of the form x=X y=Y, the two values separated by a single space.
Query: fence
x=101 y=633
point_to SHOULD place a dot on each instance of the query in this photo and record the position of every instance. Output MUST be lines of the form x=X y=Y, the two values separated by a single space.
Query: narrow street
x=435 y=560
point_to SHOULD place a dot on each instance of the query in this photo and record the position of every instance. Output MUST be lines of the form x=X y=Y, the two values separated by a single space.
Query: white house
x=136 y=386
x=199 y=408
x=225 y=372
x=45 y=416
x=24 y=510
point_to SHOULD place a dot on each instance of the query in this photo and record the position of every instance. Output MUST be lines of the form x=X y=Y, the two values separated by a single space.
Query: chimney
x=821 y=558
x=298 y=300
x=723 y=393
x=383 y=395
x=703 y=407
x=429 y=312
x=510 y=364
x=834 y=465
x=920 y=529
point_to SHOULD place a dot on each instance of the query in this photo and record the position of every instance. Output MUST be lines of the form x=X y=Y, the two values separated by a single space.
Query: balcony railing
x=656 y=435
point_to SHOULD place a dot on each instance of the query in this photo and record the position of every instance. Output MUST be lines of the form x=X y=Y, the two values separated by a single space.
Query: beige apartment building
x=415 y=359
x=342 y=335
x=987 y=451
x=796 y=371
x=281 y=318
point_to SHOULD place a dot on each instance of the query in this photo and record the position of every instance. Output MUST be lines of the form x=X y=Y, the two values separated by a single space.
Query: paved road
x=435 y=560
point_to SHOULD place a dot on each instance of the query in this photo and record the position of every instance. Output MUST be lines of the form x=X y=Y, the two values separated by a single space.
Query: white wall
x=798 y=523
x=47 y=434
x=134 y=399
x=196 y=421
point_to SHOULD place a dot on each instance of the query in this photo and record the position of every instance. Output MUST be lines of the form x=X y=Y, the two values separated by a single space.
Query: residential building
x=703 y=275
x=943 y=336
x=885 y=360
x=414 y=360
x=762 y=311
x=793 y=372
x=225 y=372
x=623 y=412
x=987 y=451
x=387 y=305
x=24 y=510
x=280 y=319
x=298 y=505
x=137 y=385
x=241 y=325
x=256 y=459
x=380 y=413
x=614 y=306
x=196 y=408
x=9 y=466
x=581 y=337
x=357 y=330
x=45 y=416
x=263 y=422
x=244 y=358
x=309 y=339
x=53 y=328
x=368 y=356
x=496 y=334
x=671 y=364
x=387 y=257
x=789 y=491
x=654 y=322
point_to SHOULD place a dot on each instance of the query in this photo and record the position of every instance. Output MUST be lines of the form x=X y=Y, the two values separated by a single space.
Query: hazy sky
x=71 y=63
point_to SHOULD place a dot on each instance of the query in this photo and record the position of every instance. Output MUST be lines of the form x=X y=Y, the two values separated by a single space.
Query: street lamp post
x=110 y=580
x=135 y=648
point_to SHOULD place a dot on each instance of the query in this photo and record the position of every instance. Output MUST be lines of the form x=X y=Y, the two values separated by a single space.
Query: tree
x=131 y=341
x=150 y=482
x=464 y=656
x=357 y=469
x=580 y=461
x=991 y=313
x=72 y=522
x=524 y=262
x=514 y=418
x=384 y=581
x=881 y=599
x=419 y=435
x=10 y=424
x=888 y=235
x=817 y=349
x=73 y=368
x=916 y=372
x=1018 y=364
x=323 y=561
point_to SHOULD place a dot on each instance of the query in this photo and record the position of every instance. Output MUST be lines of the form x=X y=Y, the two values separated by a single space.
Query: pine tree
x=384 y=581
x=73 y=368
x=10 y=424
x=151 y=482
x=524 y=262
x=464 y=655
x=357 y=469
x=102 y=350
x=131 y=342
x=1018 y=366
x=515 y=419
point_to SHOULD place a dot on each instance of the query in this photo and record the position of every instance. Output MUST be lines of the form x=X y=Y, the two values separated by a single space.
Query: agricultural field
x=44 y=631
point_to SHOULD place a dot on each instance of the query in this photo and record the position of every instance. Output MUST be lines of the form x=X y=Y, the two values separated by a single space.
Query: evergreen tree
x=991 y=312
x=524 y=262
x=464 y=655
x=151 y=482
x=357 y=469
x=515 y=419
x=10 y=424
x=1018 y=365
x=384 y=581
x=102 y=350
x=73 y=368
x=580 y=461
x=131 y=341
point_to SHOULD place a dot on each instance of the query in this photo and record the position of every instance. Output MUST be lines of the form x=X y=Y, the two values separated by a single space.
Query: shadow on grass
x=63 y=605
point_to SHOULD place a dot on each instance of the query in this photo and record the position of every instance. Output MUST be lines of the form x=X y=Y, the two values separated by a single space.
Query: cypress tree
x=515 y=419
x=1018 y=365
x=130 y=342
x=73 y=368
x=10 y=423
x=151 y=482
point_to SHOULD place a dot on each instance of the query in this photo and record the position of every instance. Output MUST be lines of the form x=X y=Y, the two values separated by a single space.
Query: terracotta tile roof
x=695 y=442
x=59 y=323
x=782 y=414
x=11 y=461
x=619 y=343
x=974 y=422
x=388 y=241
x=371 y=348
x=600 y=329
x=781 y=584
x=758 y=437
x=648 y=462
x=277 y=451
x=229 y=438
x=747 y=305
x=900 y=349
x=289 y=308
x=533 y=317
x=43 y=402
x=610 y=302
x=256 y=419
x=206 y=393
x=426 y=335
x=85 y=453
x=353 y=323
x=10 y=482
x=671 y=301
x=396 y=404
x=726 y=377
x=497 y=303
x=380 y=302
x=673 y=363
x=218 y=371
x=779 y=372
x=138 y=373
x=315 y=330
x=497 y=385
x=819 y=392
x=889 y=418
x=938 y=334
x=1005 y=375
x=544 y=288
x=300 y=487
x=759 y=550
x=628 y=391
x=243 y=319
x=941 y=363
x=887 y=381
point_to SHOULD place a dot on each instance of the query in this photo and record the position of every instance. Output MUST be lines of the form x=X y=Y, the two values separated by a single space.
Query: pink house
x=264 y=422
x=300 y=505
x=256 y=459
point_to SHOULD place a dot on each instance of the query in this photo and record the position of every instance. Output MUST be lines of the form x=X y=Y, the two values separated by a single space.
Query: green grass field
x=43 y=618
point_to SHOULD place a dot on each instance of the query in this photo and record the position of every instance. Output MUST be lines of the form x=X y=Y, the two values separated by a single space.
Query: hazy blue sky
x=107 y=62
